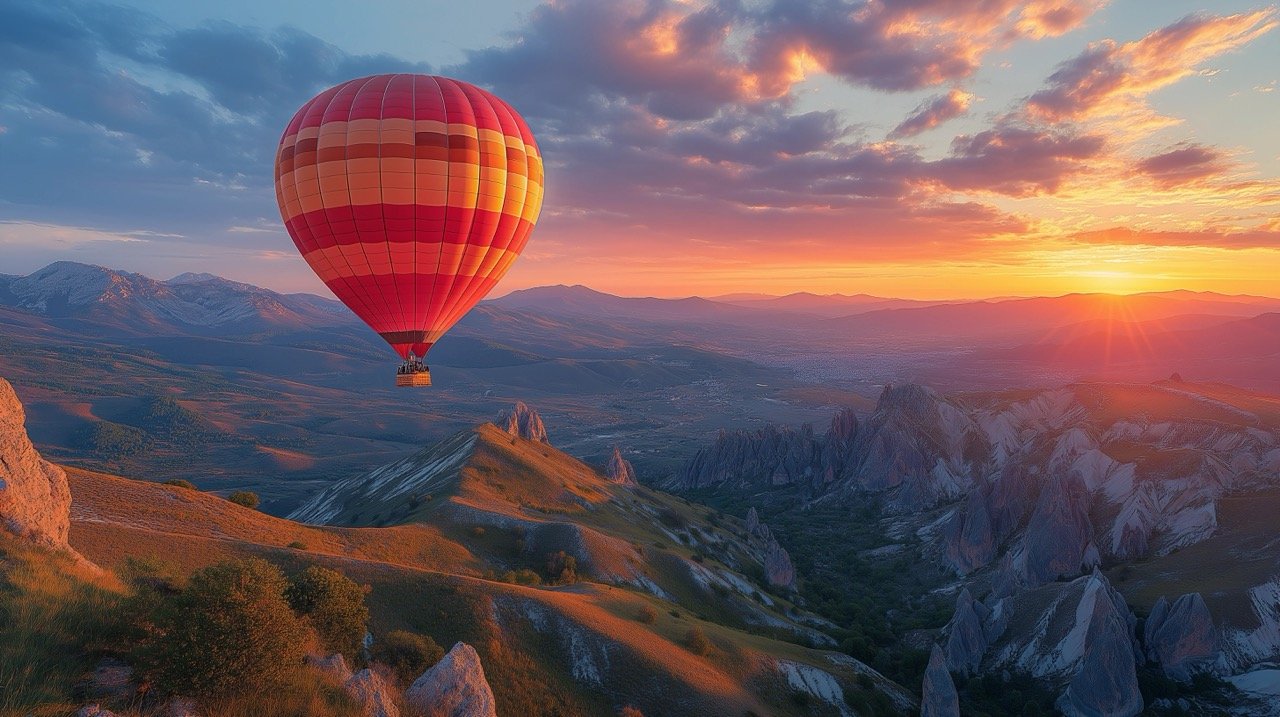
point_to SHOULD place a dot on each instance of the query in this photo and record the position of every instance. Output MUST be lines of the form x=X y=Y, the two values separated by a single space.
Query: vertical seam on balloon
x=435 y=277
x=324 y=211
x=413 y=124
x=466 y=236
x=382 y=208
x=351 y=201
x=464 y=301
x=348 y=280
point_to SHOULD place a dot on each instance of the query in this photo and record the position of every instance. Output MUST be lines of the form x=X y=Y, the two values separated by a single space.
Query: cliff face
x=35 y=502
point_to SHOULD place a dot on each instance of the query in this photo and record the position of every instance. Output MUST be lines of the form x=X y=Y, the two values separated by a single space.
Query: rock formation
x=454 y=687
x=374 y=695
x=938 y=698
x=967 y=634
x=1106 y=683
x=1059 y=536
x=778 y=569
x=35 y=502
x=1181 y=638
x=94 y=710
x=753 y=521
x=620 y=470
x=524 y=422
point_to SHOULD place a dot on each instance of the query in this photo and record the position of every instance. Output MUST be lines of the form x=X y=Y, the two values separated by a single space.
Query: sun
x=1111 y=282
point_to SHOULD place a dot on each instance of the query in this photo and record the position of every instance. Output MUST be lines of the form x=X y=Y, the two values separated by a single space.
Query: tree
x=230 y=631
x=247 y=498
x=180 y=483
x=562 y=568
x=407 y=654
x=333 y=605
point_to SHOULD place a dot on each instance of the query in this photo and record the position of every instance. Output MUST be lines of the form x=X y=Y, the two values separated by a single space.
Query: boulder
x=374 y=694
x=524 y=422
x=453 y=687
x=35 y=502
x=1181 y=637
x=620 y=470
x=938 y=697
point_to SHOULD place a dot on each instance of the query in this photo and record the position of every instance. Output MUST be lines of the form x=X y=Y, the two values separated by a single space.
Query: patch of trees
x=112 y=440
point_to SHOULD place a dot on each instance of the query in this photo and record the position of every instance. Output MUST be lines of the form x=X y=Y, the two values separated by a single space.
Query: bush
x=247 y=498
x=408 y=654
x=697 y=642
x=562 y=568
x=180 y=483
x=230 y=631
x=298 y=545
x=333 y=605
x=647 y=614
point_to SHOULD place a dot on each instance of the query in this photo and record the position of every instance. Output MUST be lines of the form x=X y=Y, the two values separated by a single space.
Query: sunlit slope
x=577 y=649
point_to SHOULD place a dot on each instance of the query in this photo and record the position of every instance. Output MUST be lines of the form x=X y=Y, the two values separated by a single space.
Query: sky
x=914 y=148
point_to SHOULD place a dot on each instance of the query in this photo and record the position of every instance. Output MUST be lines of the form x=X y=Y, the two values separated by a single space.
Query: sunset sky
x=917 y=148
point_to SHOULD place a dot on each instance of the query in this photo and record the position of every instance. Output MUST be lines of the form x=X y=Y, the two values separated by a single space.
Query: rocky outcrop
x=753 y=521
x=620 y=470
x=94 y=710
x=1106 y=684
x=35 y=502
x=938 y=697
x=970 y=537
x=454 y=687
x=524 y=422
x=769 y=456
x=374 y=694
x=1076 y=635
x=967 y=634
x=778 y=569
x=1181 y=637
x=1059 y=538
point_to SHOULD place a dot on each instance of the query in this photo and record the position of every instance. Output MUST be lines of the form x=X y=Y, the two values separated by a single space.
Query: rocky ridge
x=524 y=422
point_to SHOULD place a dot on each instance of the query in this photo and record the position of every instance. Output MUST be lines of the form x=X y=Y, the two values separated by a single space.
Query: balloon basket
x=416 y=378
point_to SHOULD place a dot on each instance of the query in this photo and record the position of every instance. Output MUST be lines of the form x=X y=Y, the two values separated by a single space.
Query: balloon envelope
x=410 y=196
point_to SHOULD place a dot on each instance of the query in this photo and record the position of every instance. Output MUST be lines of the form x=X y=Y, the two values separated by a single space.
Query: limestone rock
x=35 y=502
x=374 y=694
x=938 y=698
x=523 y=421
x=1106 y=684
x=967 y=634
x=453 y=687
x=1181 y=637
x=778 y=569
x=620 y=470
x=1059 y=535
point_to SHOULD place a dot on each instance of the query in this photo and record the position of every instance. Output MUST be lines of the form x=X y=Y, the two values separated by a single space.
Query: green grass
x=51 y=622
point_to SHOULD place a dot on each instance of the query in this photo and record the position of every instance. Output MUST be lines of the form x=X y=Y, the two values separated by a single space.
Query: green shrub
x=247 y=498
x=230 y=631
x=697 y=641
x=333 y=605
x=408 y=654
x=180 y=483
x=298 y=545
x=647 y=614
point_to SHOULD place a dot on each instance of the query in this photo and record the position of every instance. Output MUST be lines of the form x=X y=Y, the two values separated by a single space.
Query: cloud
x=1184 y=164
x=933 y=113
x=1111 y=79
x=1262 y=238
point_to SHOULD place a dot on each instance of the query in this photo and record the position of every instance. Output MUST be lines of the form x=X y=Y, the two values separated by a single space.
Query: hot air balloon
x=410 y=196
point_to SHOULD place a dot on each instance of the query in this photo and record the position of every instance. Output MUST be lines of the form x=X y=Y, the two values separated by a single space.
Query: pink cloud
x=1185 y=164
x=933 y=113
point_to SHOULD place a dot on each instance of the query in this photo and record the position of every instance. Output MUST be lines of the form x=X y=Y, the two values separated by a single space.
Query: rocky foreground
x=1024 y=497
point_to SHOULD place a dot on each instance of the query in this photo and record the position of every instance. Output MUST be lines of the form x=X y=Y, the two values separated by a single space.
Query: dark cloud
x=1184 y=164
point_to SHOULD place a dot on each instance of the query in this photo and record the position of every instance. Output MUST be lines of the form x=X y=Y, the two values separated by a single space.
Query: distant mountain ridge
x=132 y=303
